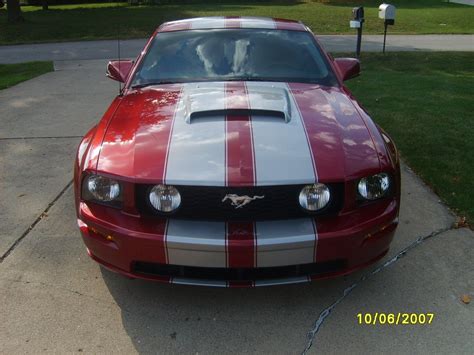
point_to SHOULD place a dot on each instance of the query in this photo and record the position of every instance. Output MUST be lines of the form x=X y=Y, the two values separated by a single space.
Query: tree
x=14 y=11
x=44 y=3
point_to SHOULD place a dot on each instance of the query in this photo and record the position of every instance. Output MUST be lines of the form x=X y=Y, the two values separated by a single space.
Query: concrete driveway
x=54 y=299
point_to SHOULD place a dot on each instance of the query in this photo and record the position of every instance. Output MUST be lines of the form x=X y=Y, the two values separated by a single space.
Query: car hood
x=237 y=133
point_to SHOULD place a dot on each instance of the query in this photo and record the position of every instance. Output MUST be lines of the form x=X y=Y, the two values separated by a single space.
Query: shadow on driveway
x=176 y=318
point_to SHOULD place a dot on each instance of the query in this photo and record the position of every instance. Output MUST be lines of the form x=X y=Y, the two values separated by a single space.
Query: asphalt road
x=130 y=48
x=53 y=298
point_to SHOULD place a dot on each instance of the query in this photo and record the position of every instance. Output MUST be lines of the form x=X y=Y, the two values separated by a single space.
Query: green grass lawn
x=12 y=74
x=100 y=21
x=425 y=102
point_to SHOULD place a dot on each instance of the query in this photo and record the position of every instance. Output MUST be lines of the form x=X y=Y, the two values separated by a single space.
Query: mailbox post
x=386 y=13
x=356 y=22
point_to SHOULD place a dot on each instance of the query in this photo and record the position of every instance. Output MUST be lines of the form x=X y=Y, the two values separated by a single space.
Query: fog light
x=164 y=198
x=314 y=197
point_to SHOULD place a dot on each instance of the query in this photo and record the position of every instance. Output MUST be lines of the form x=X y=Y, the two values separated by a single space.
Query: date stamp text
x=395 y=318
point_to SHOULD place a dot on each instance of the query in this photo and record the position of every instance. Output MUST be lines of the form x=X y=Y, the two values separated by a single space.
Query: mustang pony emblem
x=240 y=201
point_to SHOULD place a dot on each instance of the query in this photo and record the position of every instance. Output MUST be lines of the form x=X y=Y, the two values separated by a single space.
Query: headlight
x=374 y=187
x=314 y=197
x=164 y=198
x=100 y=188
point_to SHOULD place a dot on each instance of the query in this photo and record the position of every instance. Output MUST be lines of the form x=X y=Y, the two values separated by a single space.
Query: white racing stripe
x=208 y=22
x=256 y=22
x=198 y=282
x=259 y=283
x=282 y=153
x=197 y=157
x=197 y=147
x=286 y=242
x=278 y=243
x=284 y=281
x=196 y=243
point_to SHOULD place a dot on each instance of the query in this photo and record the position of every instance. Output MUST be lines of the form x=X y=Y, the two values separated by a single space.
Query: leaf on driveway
x=466 y=299
x=461 y=223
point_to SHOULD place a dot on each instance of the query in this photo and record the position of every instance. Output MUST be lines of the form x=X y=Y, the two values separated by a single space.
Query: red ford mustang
x=235 y=156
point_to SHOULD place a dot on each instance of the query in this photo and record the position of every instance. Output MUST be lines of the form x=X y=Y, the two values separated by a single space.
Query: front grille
x=237 y=274
x=205 y=203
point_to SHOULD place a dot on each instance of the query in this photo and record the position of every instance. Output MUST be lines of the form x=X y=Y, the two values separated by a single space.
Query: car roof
x=232 y=22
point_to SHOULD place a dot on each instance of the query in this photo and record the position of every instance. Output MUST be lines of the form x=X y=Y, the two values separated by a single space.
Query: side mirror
x=348 y=67
x=119 y=69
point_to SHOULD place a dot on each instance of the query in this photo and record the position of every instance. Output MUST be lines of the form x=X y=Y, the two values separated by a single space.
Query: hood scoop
x=237 y=112
x=264 y=101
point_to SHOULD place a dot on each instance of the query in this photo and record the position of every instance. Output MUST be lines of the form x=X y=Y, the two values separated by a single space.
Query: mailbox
x=357 y=17
x=358 y=14
x=356 y=22
x=387 y=13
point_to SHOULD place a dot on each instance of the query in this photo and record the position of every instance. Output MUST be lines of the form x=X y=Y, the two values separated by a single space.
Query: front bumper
x=199 y=253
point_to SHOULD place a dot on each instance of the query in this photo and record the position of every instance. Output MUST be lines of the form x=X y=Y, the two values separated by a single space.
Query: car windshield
x=233 y=54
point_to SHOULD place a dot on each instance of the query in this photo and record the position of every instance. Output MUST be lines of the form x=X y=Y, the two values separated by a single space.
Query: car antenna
x=118 y=50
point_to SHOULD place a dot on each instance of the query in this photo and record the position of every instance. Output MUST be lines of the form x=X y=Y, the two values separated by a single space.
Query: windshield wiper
x=251 y=78
x=139 y=86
